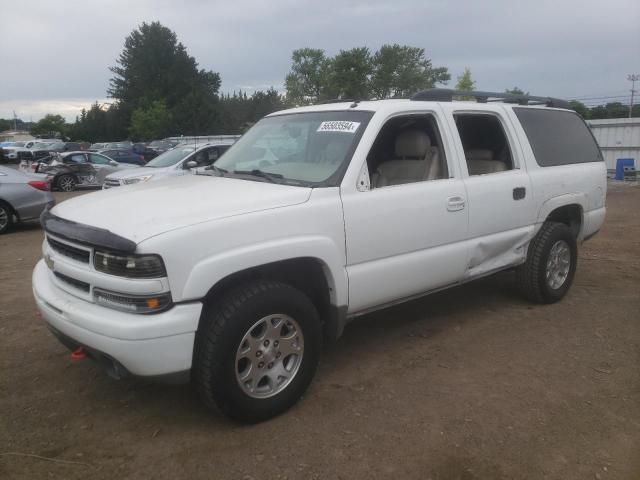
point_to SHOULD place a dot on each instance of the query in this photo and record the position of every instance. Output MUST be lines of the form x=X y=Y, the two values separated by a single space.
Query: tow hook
x=79 y=354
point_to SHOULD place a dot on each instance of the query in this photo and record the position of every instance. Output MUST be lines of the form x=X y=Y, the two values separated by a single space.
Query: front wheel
x=66 y=183
x=551 y=263
x=257 y=350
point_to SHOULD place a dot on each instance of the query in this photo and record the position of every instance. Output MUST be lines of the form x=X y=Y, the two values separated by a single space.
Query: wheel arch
x=11 y=208
x=568 y=209
x=311 y=275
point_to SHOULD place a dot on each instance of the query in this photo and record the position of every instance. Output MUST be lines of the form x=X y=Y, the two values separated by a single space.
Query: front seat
x=414 y=160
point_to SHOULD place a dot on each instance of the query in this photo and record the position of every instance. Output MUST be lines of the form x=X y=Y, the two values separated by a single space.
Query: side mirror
x=192 y=164
x=113 y=163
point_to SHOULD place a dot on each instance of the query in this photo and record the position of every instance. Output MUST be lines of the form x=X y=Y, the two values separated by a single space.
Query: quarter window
x=558 y=137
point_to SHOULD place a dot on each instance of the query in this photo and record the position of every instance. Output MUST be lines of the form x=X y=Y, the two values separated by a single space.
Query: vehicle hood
x=138 y=172
x=141 y=211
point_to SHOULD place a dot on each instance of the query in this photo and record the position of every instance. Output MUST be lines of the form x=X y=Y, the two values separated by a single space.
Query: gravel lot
x=472 y=383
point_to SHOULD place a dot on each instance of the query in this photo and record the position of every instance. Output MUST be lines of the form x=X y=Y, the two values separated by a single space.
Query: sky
x=55 y=56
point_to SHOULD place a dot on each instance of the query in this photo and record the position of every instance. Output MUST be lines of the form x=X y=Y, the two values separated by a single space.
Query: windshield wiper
x=272 y=177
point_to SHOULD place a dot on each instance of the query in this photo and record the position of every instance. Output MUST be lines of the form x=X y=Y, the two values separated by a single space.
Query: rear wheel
x=66 y=183
x=257 y=350
x=6 y=217
x=551 y=263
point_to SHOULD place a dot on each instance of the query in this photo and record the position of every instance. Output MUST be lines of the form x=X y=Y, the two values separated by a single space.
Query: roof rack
x=447 y=95
x=338 y=100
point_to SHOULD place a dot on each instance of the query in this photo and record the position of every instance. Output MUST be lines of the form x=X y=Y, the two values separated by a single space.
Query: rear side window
x=558 y=137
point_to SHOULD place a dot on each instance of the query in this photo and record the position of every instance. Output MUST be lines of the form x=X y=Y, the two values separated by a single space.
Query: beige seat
x=480 y=161
x=415 y=160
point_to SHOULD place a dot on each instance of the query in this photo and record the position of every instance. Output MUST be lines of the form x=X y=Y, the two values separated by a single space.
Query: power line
x=598 y=95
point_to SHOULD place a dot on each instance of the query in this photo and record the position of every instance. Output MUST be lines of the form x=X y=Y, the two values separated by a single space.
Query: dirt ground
x=472 y=383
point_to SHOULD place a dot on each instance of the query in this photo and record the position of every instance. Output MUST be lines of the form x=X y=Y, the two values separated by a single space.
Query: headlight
x=131 y=181
x=130 y=266
x=132 y=303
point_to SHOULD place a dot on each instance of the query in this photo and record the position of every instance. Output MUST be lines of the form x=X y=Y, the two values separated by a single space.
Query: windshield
x=170 y=157
x=302 y=148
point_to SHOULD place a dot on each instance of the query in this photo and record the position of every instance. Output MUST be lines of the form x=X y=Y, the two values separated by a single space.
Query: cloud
x=570 y=48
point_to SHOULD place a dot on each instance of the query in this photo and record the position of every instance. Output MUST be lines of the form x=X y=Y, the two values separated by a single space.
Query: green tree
x=349 y=74
x=150 y=123
x=308 y=76
x=6 y=124
x=516 y=91
x=465 y=82
x=50 y=126
x=154 y=66
x=400 y=71
x=580 y=108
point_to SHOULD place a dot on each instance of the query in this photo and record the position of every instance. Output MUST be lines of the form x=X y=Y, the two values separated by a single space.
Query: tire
x=6 y=217
x=231 y=331
x=66 y=183
x=545 y=277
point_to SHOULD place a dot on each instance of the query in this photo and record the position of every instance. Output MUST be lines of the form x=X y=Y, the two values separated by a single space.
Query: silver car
x=177 y=161
x=23 y=197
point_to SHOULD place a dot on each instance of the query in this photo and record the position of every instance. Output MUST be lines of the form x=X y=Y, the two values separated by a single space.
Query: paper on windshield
x=339 y=126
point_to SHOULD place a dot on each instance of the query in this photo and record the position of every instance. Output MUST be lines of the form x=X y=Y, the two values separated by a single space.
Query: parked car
x=42 y=150
x=124 y=156
x=146 y=152
x=123 y=145
x=87 y=169
x=161 y=146
x=171 y=163
x=318 y=215
x=11 y=151
x=22 y=197
x=95 y=147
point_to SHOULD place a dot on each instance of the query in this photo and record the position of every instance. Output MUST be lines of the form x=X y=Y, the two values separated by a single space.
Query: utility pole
x=15 y=119
x=633 y=78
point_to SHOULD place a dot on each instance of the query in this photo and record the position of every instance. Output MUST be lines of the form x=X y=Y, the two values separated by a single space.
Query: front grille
x=108 y=183
x=73 y=282
x=68 y=251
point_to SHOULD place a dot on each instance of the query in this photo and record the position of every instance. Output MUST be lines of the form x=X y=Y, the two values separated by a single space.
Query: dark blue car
x=124 y=156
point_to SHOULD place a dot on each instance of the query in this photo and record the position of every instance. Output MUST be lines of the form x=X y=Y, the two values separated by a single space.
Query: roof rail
x=338 y=100
x=447 y=95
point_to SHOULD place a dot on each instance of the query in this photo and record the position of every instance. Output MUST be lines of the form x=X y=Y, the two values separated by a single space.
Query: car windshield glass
x=312 y=148
x=171 y=157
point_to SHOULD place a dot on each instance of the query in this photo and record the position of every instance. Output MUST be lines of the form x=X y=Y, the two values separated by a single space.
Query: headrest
x=479 y=154
x=412 y=143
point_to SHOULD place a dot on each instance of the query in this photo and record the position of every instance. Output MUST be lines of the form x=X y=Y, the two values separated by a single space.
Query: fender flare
x=575 y=198
x=213 y=269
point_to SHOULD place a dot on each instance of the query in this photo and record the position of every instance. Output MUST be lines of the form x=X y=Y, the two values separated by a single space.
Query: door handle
x=455 y=204
x=519 y=193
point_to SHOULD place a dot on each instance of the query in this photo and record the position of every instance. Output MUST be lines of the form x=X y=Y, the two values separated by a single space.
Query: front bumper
x=159 y=345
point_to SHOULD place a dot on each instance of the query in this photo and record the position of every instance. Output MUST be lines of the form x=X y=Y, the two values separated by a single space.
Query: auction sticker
x=339 y=126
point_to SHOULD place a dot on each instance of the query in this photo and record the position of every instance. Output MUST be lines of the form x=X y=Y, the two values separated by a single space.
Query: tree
x=349 y=74
x=465 y=83
x=152 y=122
x=154 y=66
x=308 y=76
x=516 y=91
x=580 y=108
x=50 y=126
x=400 y=71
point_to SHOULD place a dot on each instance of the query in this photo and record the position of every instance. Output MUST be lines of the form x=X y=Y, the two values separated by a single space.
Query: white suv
x=315 y=216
